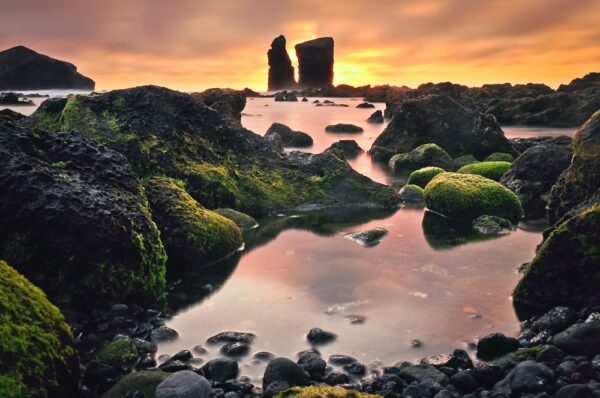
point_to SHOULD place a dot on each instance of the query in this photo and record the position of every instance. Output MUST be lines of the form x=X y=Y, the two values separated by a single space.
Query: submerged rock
x=25 y=69
x=231 y=337
x=370 y=237
x=281 y=71
x=365 y=105
x=423 y=156
x=320 y=336
x=14 y=100
x=345 y=149
x=286 y=97
x=37 y=357
x=376 y=117
x=491 y=225
x=315 y=62
x=288 y=136
x=344 y=128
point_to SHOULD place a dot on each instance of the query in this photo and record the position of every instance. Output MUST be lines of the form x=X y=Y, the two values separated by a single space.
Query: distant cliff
x=281 y=71
x=315 y=63
x=25 y=69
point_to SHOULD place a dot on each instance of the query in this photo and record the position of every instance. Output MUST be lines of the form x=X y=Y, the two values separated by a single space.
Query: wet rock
x=356 y=319
x=235 y=349
x=411 y=193
x=554 y=321
x=228 y=102
x=304 y=99
x=459 y=359
x=424 y=373
x=574 y=391
x=523 y=144
x=336 y=378
x=376 y=117
x=242 y=220
x=24 y=69
x=118 y=353
x=526 y=377
x=275 y=388
x=365 y=105
x=487 y=374
x=314 y=365
x=172 y=366
x=381 y=154
x=289 y=137
x=340 y=359
x=143 y=383
x=163 y=333
x=221 y=369
x=550 y=355
x=344 y=128
x=356 y=369
x=263 y=356
x=491 y=225
x=534 y=173
x=13 y=99
x=345 y=149
x=281 y=71
x=183 y=355
x=315 y=62
x=425 y=155
x=580 y=338
x=283 y=369
x=495 y=345
x=370 y=237
x=320 y=336
x=418 y=390
x=184 y=384
x=200 y=350
x=231 y=337
x=464 y=382
x=286 y=97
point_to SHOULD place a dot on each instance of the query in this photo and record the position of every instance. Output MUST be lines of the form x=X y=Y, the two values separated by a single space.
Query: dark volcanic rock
x=288 y=136
x=365 y=105
x=440 y=120
x=523 y=144
x=231 y=337
x=281 y=71
x=230 y=103
x=532 y=175
x=74 y=219
x=315 y=62
x=283 y=369
x=345 y=149
x=14 y=99
x=320 y=336
x=24 y=69
x=376 y=117
x=580 y=339
x=526 y=377
x=221 y=369
x=496 y=344
x=10 y=115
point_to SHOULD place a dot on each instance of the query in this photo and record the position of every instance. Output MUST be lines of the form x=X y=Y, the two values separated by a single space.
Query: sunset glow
x=201 y=44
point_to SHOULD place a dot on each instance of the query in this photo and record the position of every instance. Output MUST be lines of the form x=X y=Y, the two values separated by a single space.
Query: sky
x=196 y=44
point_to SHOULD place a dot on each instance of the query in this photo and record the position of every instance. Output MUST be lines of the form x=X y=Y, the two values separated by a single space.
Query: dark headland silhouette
x=315 y=64
x=24 y=69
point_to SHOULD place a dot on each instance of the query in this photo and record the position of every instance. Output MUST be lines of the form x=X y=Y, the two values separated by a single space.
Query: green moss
x=242 y=220
x=111 y=121
x=323 y=391
x=422 y=176
x=59 y=165
x=117 y=353
x=191 y=233
x=492 y=170
x=412 y=193
x=464 y=160
x=422 y=156
x=468 y=196
x=76 y=116
x=344 y=128
x=36 y=354
x=500 y=157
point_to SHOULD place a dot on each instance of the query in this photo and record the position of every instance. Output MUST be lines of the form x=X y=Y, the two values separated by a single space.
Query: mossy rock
x=344 y=128
x=118 y=353
x=323 y=391
x=500 y=157
x=422 y=176
x=492 y=170
x=422 y=156
x=464 y=160
x=565 y=270
x=37 y=358
x=141 y=384
x=467 y=196
x=412 y=194
x=242 y=220
x=192 y=234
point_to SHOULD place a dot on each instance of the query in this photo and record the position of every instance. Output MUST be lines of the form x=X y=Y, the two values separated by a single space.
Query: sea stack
x=25 y=69
x=281 y=71
x=315 y=63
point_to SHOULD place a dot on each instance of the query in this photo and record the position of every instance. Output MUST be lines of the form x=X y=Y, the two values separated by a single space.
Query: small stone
x=231 y=337
x=199 y=350
x=320 y=336
x=415 y=343
x=356 y=319
x=235 y=349
x=341 y=360
x=496 y=344
x=263 y=356
x=163 y=333
x=356 y=369
x=183 y=355
x=221 y=369
x=174 y=366
x=370 y=237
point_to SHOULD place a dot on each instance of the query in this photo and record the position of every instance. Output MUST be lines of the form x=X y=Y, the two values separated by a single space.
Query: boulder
x=365 y=105
x=467 y=196
x=221 y=369
x=424 y=373
x=564 y=271
x=534 y=173
x=192 y=235
x=25 y=69
x=14 y=99
x=500 y=157
x=242 y=220
x=523 y=144
x=283 y=369
x=376 y=117
x=184 y=384
x=441 y=120
x=580 y=339
x=345 y=149
x=422 y=176
x=228 y=102
x=412 y=194
x=140 y=384
x=495 y=345
x=37 y=357
x=579 y=185
x=75 y=219
x=281 y=71
x=492 y=170
x=526 y=377
x=288 y=136
x=464 y=160
x=315 y=62
x=425 y=155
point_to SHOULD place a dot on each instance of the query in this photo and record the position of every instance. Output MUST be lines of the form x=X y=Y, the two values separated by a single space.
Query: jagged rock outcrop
x=222 y=165
x=230 y=103
x=25 y=69
x=441 y=120
x=281 y=71
x=315 y=62
x=523 y=144
x=74 y=219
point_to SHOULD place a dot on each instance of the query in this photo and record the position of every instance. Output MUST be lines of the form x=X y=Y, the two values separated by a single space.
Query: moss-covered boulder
x=191 y=233
x=464 y=160
x=492 y=170
x=422 y=156
x=441 y=120
x=37 y=358
x=119 y=353
x=500 y=157
x=566 y=268
x=164 y=132
x=579 y=185
x=412 y=194
x=242 y=220
x=323 y=391
x=140 y=384
x=468 y=196
x=421 y=177
x=74 y=219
